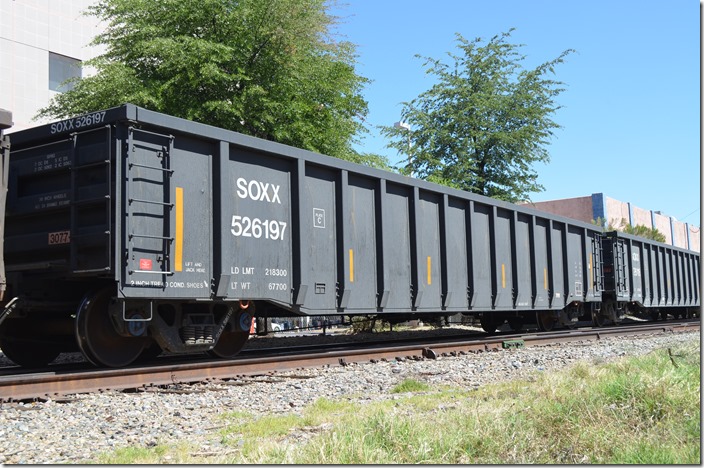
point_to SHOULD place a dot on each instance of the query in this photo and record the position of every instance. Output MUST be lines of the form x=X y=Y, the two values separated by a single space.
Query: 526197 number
x=245 y=226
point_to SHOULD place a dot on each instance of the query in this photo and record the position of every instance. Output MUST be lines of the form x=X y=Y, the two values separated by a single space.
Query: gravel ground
x=78 y=428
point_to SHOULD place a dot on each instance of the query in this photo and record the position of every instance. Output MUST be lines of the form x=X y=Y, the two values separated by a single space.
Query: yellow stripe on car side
x=178 y=206
x=545 y=279
x=430 y=277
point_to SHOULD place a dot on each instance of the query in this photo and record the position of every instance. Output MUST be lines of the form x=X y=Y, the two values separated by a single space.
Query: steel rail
x=55 y=384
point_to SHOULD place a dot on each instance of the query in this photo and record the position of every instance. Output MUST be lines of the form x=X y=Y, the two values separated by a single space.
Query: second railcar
x=648 y=278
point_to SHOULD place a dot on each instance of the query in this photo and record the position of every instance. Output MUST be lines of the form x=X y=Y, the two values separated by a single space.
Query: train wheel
x=235 y=335
x=97 y=338
x=605 y=315
x=598 y=319
x=546 y=320
x=151 y=351
x=488 y=323
x=28 y=353
x=21 y=344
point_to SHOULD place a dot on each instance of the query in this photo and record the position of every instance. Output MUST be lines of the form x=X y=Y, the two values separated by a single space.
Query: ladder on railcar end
x=85 y=245
x=138 y=182
x=621 y=267
x=615 y=257
x=598 y=263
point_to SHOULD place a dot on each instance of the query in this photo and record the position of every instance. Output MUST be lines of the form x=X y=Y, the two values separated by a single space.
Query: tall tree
x=639 y=230
x=267 y=68
x=485 y=122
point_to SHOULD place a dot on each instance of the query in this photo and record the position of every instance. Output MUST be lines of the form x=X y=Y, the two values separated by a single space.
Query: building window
x=61 y=68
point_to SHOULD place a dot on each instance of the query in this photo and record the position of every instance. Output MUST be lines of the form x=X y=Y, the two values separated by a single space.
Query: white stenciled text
x=78 y=122
x=244 y=226
x=258 y=191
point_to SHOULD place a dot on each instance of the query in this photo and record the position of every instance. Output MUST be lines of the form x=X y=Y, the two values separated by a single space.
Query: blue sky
x=631 y=109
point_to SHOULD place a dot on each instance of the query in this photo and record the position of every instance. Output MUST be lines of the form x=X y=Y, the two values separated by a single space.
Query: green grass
x=410 y=385
x=636 y=410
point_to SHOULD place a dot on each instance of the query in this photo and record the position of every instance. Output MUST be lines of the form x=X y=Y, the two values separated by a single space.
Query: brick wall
x=576 y=208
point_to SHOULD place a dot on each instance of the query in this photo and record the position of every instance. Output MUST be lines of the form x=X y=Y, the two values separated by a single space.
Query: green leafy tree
x=644 y=231
x=485 y=122
x=267 y=68
x=639 y=230
x=599 y=221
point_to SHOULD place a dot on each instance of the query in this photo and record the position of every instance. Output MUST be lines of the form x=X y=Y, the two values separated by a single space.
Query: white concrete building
x=42 y=42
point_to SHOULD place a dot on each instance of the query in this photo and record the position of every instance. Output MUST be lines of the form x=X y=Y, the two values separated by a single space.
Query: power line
x=690 y=214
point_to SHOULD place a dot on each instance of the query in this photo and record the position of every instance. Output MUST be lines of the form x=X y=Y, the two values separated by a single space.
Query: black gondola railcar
x=129 y=232
x=648 y=278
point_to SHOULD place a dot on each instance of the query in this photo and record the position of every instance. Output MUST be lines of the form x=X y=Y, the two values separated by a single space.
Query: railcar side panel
x=503 y=259
x=658 y=272
x=659 y=291
x=255 y=226
x=360 y=249
x=482 y=287
x=521 y=246
x=669 y=274
x=541 y=249
x=696 y=270
x=428 y=259
x=557 y=265
x=574 y=242
x=637 y=272
x=680 y=290
x=689 y=278
x=646 y=274
x=694 y=278
x=166 y=216
x=456 y=255
x=684 y=280
x=318 y=236
x=397 y=248
x=676 y=278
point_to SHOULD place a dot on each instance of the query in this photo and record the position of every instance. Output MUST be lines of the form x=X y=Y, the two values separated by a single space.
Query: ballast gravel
x=78 y=428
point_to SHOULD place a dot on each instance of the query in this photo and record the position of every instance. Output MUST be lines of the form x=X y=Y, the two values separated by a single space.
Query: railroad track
x=72 y=379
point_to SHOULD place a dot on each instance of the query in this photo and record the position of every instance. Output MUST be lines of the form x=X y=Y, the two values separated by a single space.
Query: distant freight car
x=648 y=277
x=129 y=232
